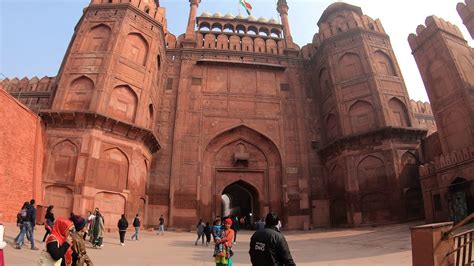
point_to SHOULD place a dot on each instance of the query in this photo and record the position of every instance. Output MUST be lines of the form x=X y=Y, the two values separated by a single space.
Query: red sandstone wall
x=21 y=156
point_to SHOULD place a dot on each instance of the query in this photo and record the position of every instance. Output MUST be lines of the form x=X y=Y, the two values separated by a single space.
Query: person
x=225 y=257
x=162 y=225
x=20 y=218
x=28 y=226
x=58 y=244
x=49 y=221
x=90 y=225
x=236 y=228
x=136 y=225
x=122 y=226
x=3 y=244
x=79 y=252
x=269 y=246
x=200 y=231
x=98 y=230
x=260 y=224
x=207 y=232
x=217 y=234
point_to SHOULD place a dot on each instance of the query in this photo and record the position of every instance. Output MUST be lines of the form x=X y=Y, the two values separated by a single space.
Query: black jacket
x=268 y=247
x=136 y=222
x=122 y=225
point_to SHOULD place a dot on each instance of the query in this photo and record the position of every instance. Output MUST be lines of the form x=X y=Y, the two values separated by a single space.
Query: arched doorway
x=240 y=199
x=61 y=198
x=460 y=199
x=243 y=161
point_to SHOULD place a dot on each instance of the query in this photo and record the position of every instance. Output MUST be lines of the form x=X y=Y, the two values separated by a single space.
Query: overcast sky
x=34 y=34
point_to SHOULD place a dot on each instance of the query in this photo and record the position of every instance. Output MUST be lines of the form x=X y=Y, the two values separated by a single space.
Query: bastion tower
x=369 y=144
x=99 y=129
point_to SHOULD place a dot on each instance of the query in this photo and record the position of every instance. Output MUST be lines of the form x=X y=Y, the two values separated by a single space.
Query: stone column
x=428 y=246
x=282 y=8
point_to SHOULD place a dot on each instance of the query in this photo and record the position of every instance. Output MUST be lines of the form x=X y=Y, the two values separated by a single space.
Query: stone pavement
x=387 y=245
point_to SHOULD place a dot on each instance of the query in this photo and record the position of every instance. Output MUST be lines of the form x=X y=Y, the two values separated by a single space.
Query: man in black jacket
x=268 y=246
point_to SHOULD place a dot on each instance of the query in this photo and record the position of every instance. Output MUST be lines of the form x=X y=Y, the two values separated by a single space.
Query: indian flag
x=247 y=6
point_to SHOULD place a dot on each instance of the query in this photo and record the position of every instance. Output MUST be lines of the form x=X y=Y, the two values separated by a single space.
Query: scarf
x=60 y=232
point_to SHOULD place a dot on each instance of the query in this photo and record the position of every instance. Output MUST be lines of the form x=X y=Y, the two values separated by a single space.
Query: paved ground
x=388 y=245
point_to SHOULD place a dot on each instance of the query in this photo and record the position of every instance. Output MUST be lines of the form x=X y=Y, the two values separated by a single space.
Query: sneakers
x=34 y=248
x=17 y=247
x=122 y=244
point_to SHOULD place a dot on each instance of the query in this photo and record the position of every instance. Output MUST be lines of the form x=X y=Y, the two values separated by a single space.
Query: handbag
x=45 y=259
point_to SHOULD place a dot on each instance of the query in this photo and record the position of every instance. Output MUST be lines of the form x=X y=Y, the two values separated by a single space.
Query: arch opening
x=240 y=199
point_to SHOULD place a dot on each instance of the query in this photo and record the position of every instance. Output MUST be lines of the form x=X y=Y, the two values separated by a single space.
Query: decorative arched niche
x=362 y=117
x=63 y=161
x=97 y=39
x=79 y=94
x=136 y=49
x=123 y=103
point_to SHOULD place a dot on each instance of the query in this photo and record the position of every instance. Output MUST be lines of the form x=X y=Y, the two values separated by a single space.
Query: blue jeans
x=137 y=229
x=26 y=229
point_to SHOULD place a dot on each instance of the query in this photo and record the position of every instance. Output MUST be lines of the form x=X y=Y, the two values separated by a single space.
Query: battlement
x=238 y=33
x=45 y=84
x=421 y=107
x=432 y=25
x=447 y=160
x=150 y=7
x=339 y=18
x=466 y=11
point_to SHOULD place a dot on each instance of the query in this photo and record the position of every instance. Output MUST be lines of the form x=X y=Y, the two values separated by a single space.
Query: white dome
x=252 y=18
x=206 y=14
x=217 y=15
x=229 y=16
x=240 y=17
x=262 y=19
x=273 y=21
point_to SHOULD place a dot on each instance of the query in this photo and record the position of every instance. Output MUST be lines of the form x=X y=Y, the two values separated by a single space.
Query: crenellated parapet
x=447 y=160
x=150 y=7
x=35 y=93
x=432 y=25
x=421 y=107
x=237 y=33
x=466 y=11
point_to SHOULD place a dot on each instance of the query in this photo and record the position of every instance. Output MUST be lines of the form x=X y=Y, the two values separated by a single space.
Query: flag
x=247 y=6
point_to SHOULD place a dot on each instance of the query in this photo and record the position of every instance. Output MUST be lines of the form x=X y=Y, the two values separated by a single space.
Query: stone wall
x=21 y=156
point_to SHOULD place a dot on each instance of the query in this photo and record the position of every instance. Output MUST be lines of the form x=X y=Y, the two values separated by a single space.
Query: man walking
x=162 y=225
x=136 y=224
x=28 y=226
x=269 y=246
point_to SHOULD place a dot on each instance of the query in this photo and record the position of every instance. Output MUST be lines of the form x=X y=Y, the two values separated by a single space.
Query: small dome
x=217 y=15
x=240 y=17
x=263 y=20
x=252 y=18
x=206 y=14
x=229 y=16
x=273 y=21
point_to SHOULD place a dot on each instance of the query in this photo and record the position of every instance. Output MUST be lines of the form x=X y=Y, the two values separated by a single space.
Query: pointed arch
x=324 y=82
x=399 y=114
x=384 y=64
x=151 y=116
x=350 y=66
x=63 y=161
x=332 y=128
x=371 y=174
x=79 y=94
x=61 y=197
x=123 y=103
x=97 y=39
x=112 y=173
x=136 y=48
x=362 y=117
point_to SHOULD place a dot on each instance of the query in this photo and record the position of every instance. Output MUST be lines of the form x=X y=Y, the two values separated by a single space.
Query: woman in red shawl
x=59 y=242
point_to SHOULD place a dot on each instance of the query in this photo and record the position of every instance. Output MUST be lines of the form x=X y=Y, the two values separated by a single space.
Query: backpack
x=23 y=214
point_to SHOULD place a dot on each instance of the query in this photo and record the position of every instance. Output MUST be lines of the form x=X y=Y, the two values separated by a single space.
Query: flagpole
x=238 y=6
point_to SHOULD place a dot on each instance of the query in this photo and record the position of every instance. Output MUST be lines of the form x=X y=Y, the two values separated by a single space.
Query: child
x=217 y=234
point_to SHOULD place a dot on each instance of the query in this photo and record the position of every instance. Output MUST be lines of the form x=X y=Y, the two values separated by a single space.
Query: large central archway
x=241 y=163
x=240 y=199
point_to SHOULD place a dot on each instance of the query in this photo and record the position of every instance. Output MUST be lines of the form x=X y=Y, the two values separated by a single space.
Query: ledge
x=91 y=120
x=240 y=63
x=378 y=134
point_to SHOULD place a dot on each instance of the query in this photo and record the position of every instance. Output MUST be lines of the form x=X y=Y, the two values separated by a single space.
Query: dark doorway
x=240 y=199
x=460 y=199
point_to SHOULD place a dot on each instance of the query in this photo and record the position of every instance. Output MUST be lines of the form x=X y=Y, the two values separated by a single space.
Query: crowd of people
x=66 y=239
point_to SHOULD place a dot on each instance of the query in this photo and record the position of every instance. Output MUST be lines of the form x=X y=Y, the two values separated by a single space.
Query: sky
x=34 y=34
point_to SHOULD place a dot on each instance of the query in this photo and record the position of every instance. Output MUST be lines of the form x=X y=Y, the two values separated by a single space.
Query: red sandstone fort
x=233 y=117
